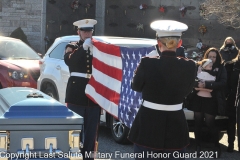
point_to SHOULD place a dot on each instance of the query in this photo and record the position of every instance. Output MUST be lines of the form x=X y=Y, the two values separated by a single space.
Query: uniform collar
x=80 y=42
x=169 y=53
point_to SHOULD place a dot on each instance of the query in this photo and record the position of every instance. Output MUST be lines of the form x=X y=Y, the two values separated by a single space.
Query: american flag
x=110 y=84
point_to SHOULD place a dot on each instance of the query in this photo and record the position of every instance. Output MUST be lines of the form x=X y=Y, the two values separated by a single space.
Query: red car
x=19 y=64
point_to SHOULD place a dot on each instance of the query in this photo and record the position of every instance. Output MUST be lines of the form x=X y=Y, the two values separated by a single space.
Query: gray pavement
x=108 y=145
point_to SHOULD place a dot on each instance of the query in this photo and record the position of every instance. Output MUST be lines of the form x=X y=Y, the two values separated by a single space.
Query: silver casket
x=35 y=126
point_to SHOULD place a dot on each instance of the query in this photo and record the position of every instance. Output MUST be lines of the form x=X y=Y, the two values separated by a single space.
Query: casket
x=33 y=125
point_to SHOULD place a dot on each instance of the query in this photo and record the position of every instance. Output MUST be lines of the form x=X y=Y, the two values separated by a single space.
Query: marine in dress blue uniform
x=160 y=125
x=78 y=58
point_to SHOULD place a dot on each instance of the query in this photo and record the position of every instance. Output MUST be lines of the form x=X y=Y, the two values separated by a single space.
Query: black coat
x=228 y=54
x=220 y=82
x=232 y=84
x=232 y=68
x=166 y=80
x=236 y=75
x=79 y=61
x=218 y=90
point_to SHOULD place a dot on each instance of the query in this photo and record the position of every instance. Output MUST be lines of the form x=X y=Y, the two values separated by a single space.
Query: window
x=11 y=49
x=59 y=51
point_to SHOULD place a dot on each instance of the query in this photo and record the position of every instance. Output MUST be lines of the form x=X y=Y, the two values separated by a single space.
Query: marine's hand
x=68 y=49
x=88 y=44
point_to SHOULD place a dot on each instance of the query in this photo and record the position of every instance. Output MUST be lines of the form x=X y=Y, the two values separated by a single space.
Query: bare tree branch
x=226 y=11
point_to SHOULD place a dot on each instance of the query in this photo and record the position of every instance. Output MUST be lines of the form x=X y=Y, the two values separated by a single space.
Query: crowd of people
x=220 y=86
x=160 y=126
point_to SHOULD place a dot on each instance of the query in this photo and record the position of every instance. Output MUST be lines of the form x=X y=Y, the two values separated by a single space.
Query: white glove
x=88 y=44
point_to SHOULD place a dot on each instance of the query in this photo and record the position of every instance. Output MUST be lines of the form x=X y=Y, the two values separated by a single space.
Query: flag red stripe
x=105 y=91
x=108 y=49
x=106 y=69
x=90 y=97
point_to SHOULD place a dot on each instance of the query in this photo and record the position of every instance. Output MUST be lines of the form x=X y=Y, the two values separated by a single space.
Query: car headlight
x=17 y=74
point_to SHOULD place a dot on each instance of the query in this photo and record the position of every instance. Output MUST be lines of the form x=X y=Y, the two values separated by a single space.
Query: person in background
x=206 y=106
x=78 y=57
x=205 y=73
x=237 y=104
x=199 y=44
x=160 y=125
x=229 y=52
x=180 y=51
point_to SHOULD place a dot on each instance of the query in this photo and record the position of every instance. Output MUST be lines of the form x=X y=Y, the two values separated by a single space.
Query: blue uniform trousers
x=89 y=134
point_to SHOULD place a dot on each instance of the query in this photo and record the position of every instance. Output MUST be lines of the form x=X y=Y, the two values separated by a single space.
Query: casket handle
x=51 y=148
x=27 y=149
x=35 y=95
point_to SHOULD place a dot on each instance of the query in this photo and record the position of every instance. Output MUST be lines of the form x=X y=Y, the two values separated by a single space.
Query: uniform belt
x=162 y=107
x=84 y=75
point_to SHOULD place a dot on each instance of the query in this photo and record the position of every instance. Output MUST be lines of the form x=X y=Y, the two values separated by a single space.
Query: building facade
x=44 y=20
x=30 y=15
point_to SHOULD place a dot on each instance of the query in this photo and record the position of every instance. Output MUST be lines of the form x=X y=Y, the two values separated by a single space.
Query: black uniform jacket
x=163 y=81
x=79 y=61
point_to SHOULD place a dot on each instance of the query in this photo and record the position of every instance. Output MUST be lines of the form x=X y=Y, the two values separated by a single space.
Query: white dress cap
x=85 y=24
x=168 y=28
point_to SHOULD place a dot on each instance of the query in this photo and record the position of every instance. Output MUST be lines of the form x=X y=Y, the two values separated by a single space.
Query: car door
x=60 y=71
x=64 y=72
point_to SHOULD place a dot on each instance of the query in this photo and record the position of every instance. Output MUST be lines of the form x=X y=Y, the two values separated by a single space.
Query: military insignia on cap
x=85 y=24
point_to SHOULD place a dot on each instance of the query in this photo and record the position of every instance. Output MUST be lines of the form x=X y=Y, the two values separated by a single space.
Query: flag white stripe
x=108 y=59
x=107 y=81
x=109 y=106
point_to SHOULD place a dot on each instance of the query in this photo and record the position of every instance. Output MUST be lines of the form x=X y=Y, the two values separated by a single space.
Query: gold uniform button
x=88 y=70
x=87 y=65
x=87 y=60
x=73 y=81
x=87 y=56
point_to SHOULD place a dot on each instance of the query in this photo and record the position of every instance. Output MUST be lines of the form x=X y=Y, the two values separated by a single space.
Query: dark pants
x=151 y=154
x=210 y=122
x=231 y=130
x=238 y=127
x=89 y=134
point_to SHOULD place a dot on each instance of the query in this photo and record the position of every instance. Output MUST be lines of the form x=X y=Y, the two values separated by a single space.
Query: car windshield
x=12 y=49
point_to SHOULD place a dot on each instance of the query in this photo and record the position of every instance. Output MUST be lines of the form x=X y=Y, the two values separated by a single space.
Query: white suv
x=54 y=74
